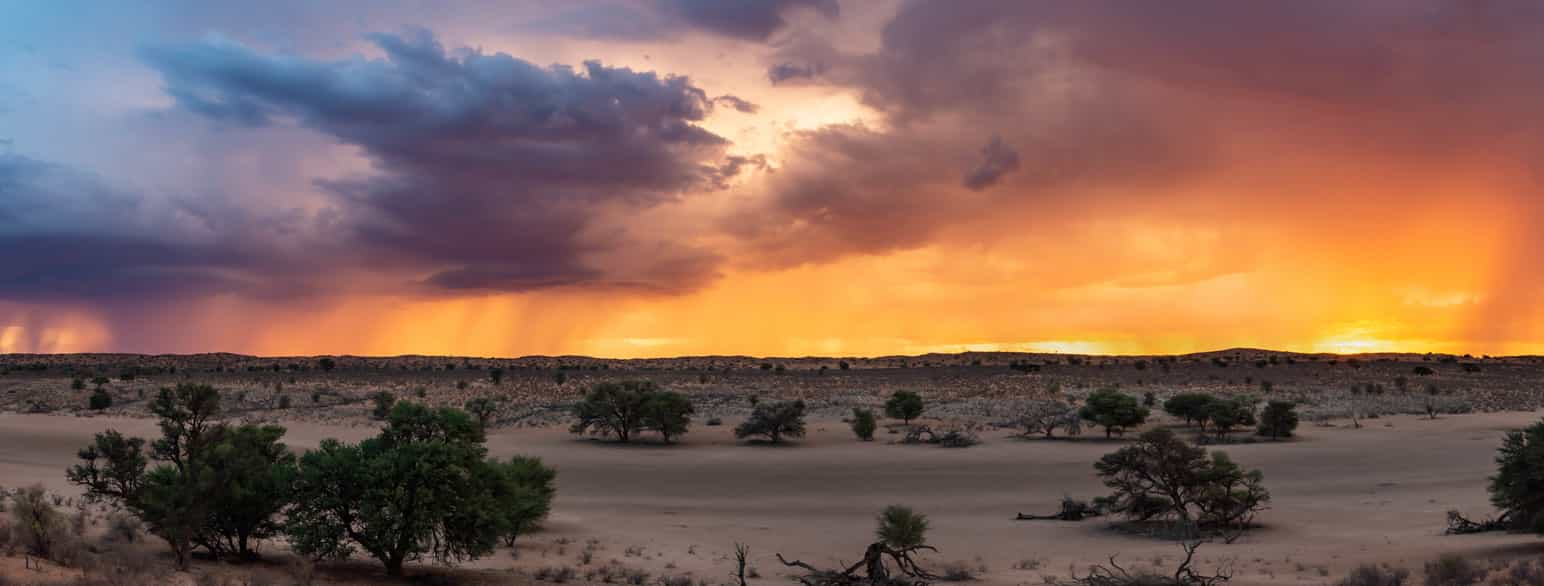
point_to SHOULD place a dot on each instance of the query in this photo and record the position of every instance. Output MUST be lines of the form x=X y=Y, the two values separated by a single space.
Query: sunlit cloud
x=775 y=177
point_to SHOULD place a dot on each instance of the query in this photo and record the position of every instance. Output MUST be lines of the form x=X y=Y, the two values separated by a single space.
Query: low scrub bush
x=1453 y=570
x=863 y=424
x=1375 y=575
x=35 y=524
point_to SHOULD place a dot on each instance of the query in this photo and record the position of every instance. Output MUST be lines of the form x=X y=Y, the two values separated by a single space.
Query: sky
x=632 y=178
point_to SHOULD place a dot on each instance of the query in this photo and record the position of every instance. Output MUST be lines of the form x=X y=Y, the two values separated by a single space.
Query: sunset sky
x=771 y=177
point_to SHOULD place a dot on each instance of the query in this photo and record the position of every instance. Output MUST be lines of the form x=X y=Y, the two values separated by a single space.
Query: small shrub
x=560 y=575
x=957 y=571
x=957 y=438
x=123 y=528
x=864 y=424
x=35 y=524
x=1453 y=570
x=384 y=401
x=1375 y=575
x=1029 y=564
x=901 y=528
x=1519 y=573
x=100 y=399
x=675 y=581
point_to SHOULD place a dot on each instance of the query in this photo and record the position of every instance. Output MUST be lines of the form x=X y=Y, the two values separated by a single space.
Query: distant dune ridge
x=985 y=387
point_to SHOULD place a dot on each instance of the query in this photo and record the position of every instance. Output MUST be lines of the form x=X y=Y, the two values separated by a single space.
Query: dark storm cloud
x=754 y=20
x=788 y=72
x=747 y=20
x=997 y=159
x=65 y=235
x=1119 y=97
x=492 y=170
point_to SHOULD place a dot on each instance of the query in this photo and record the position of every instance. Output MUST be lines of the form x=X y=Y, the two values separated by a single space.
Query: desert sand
x=1341 y=496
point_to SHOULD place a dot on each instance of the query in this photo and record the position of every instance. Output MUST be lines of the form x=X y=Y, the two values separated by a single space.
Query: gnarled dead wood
x=1457 y=524
x=1184 y=575
x=872 y=569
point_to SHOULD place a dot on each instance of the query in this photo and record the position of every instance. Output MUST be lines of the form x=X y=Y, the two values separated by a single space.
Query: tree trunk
x=180 y=549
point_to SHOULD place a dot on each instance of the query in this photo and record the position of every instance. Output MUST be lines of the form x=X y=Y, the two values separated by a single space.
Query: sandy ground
x=1342 y=496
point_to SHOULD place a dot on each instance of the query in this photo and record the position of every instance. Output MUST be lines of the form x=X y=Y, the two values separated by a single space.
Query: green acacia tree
x=524 y=490
x=252 y=474
x=1517 y=489
x=1278 y=419
x=1226 y=414
x=1160 y=477
x=422 y=487
x=624 y=408
x=1191 y=407
x=667 y=413
x=1113 y=410
x=905 y=406
x=613 y=408
x=212 y=485
x=482 y=408
x=774 y=421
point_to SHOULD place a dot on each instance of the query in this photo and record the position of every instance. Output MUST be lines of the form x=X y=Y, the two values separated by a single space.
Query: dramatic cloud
x=865 y=176
x=1110 y=100
x=492 y=171
x=65 y=235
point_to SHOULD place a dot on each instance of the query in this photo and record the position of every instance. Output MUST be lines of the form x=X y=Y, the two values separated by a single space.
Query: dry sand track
x=1341 y=496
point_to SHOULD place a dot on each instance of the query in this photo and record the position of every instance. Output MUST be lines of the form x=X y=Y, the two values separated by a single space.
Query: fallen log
x=1457 y=524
